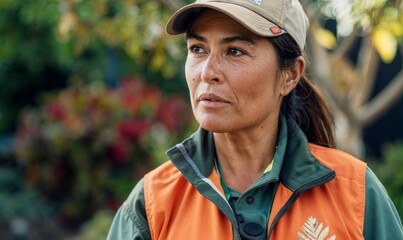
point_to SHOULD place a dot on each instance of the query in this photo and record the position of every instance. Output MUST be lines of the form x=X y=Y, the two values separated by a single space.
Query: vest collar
x=299 y=167
x=294 y=163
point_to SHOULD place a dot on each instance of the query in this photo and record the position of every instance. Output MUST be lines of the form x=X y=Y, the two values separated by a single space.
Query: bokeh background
x=92 y=94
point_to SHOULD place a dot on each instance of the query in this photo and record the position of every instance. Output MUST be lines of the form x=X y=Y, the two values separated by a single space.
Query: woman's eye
x=235 y=52
x=196 y=49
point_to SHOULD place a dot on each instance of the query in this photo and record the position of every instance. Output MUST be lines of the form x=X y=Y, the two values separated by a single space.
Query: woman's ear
x=292 y=76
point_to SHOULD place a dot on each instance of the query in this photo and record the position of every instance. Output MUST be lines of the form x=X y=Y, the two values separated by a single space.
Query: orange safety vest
x=176 y=210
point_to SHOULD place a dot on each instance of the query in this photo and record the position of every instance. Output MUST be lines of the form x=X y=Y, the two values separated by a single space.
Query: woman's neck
x=244 y=157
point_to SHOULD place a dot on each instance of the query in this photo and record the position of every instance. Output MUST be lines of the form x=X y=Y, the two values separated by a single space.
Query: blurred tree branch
x=348 y=86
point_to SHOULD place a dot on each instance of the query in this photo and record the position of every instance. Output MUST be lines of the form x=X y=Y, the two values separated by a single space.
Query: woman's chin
x=215 y=127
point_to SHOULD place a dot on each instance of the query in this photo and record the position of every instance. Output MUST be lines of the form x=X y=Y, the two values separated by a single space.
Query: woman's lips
x=212 y=100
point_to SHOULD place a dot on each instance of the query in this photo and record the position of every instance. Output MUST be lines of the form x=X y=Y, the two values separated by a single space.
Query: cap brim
x=179 y=21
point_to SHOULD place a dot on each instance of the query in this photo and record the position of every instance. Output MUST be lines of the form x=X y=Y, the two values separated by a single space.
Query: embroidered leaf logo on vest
x=312 y=230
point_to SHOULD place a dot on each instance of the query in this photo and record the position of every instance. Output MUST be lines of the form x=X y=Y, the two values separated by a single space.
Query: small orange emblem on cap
x=275 y=30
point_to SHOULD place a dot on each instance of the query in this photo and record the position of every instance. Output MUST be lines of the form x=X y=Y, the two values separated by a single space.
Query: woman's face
x=232 y=75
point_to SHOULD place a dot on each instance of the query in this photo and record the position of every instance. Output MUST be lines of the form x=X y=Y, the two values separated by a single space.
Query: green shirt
x=252 y=206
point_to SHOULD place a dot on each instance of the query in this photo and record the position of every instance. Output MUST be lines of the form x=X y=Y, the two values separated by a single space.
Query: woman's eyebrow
x=196 y=36
x=238 y=38
x=225 y=40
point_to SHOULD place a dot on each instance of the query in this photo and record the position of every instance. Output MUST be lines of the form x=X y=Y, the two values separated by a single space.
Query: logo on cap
x=275 y=30
x=258 y=2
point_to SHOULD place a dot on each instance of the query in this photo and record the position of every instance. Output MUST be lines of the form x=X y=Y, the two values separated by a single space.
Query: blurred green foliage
x=48 y=45
x=31 y=59
x=390 y=173
x=135 y=27
x=97 y=227
x=16 y=199
x=63 y=94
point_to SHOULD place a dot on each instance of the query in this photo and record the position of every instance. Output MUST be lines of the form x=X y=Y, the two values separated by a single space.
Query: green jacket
x=381 y=218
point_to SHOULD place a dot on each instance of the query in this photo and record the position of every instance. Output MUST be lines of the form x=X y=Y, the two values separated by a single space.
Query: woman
x=262 y=164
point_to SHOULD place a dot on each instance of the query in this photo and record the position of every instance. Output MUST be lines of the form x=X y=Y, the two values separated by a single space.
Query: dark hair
x=305 y=103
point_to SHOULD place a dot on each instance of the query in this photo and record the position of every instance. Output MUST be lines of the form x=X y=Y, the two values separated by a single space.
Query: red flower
x=119 y=152
x=131 y=92
x=173 y=113
x=56 y=111
x=133 y=129
x=151 y=100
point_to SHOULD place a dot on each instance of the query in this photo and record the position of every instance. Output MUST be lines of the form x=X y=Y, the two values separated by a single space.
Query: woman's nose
x=212 y=69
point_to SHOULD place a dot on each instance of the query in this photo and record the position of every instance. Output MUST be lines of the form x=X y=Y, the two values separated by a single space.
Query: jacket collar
x=299 y=167
x=194 y=157
x=293 y=163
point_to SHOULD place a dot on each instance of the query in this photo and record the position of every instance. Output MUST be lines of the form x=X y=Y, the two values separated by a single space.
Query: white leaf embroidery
x=312 y=230
x=319 y=229
x=302 y=237
x=324 y=233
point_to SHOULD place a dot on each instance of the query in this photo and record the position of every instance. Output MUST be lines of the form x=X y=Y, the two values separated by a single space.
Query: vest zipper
x=296 y=194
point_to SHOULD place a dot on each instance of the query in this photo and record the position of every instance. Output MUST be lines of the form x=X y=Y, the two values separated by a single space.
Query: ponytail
x=307 y=107
x=305 y=104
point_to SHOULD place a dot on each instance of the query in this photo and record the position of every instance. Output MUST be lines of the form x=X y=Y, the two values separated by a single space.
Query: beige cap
x=265 y=18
